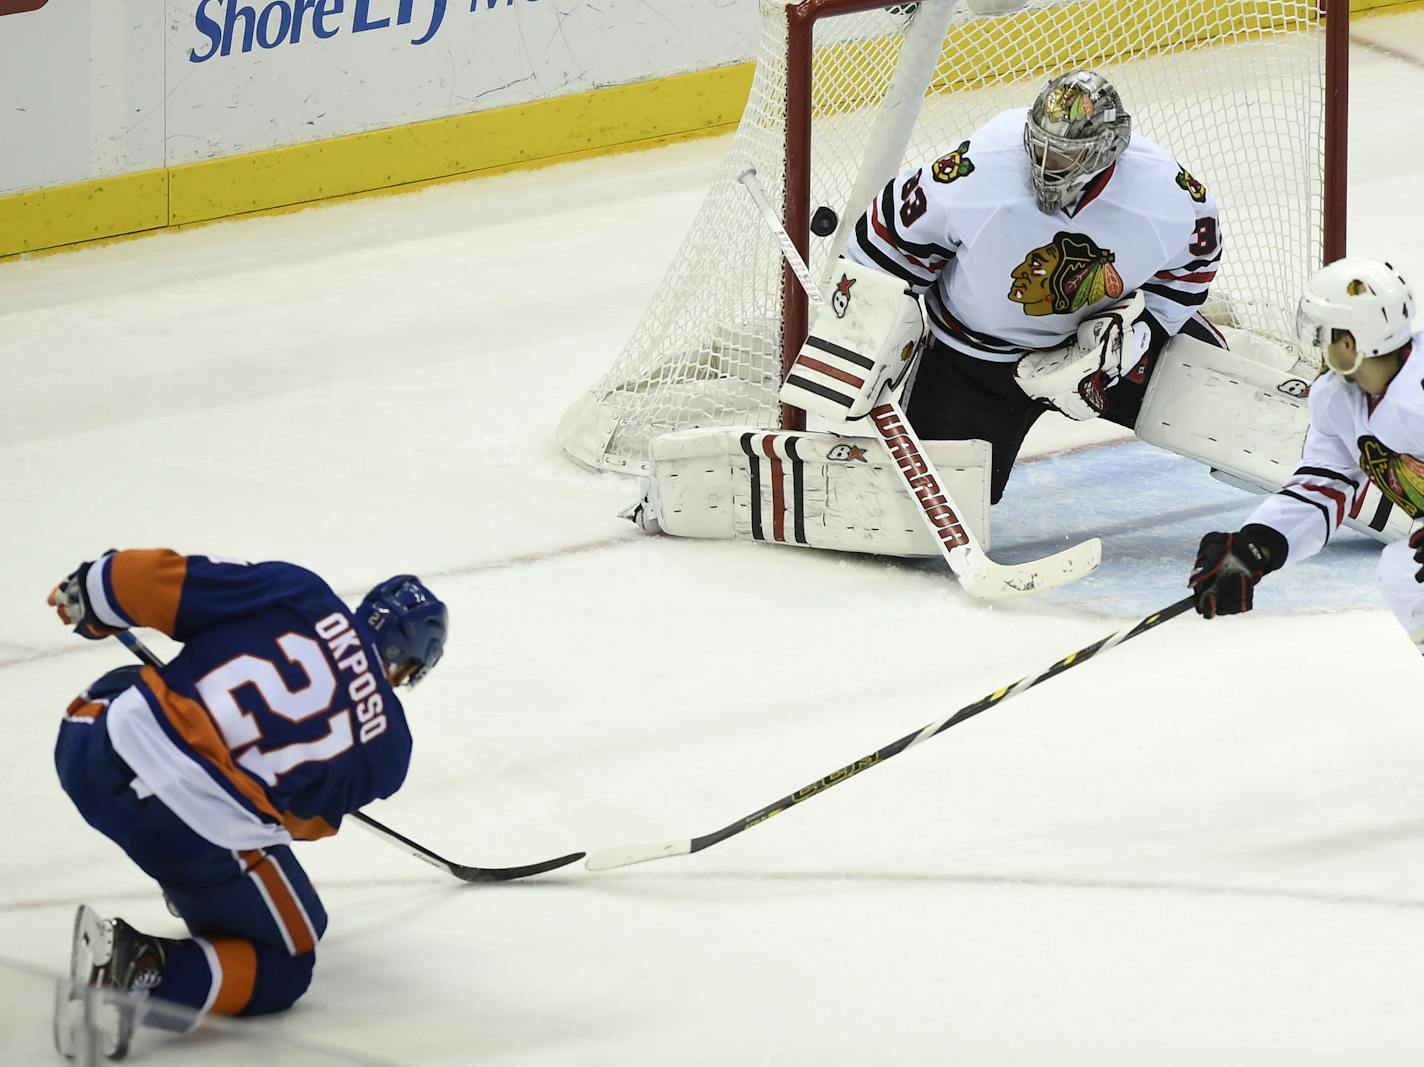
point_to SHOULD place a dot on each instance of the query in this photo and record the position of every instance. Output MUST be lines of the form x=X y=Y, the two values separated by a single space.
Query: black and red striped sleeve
x=906 y=231
x=1315 y=500
x=1180 y=287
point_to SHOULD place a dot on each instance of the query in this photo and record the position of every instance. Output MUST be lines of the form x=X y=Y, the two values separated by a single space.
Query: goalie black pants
x=957 y=397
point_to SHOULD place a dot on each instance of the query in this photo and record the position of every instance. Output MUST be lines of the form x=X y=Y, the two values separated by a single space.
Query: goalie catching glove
x=863 y=339
x=1074 y=379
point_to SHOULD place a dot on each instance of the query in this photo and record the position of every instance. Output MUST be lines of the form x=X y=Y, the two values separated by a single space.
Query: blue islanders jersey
x=276 y=718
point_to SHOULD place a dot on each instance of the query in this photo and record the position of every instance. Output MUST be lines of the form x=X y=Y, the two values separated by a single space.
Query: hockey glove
x=1229 y=565
x=71 y=601
x=1074 y=379
x=1416 y=542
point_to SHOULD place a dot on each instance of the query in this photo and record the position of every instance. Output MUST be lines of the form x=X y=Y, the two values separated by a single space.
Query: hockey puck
x=824 y=222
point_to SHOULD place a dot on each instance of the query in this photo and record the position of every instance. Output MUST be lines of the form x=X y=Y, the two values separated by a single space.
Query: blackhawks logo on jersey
x=954 y=165
x=1400 y=477
x=1070 y=273
x=1195 y=189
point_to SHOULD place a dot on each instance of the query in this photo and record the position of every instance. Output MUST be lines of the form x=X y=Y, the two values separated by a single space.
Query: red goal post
x=1251 y=95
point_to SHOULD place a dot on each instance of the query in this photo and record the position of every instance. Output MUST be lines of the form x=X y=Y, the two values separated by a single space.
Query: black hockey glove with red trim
x=1416 y=542
x=1229 y=565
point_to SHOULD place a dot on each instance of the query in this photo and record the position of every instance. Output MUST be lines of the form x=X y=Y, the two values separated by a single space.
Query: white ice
x=1207 y=847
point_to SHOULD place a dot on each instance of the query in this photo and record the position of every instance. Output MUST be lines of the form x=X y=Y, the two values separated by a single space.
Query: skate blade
x=109 y=1023
x=93 y=945
x=68 y=1019
x=108 y=1030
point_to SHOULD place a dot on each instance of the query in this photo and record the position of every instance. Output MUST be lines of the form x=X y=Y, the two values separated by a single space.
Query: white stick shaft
x=749 y=179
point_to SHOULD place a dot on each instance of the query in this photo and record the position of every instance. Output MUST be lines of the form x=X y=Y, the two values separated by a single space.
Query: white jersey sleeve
x=907 y=231
x=1179 y=289
x=1313 y=503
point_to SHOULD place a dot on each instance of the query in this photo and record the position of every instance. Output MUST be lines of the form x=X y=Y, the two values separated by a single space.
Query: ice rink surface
x=1207 y=847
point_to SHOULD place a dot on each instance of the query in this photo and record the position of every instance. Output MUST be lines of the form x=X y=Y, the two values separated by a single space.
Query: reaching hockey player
x=1366 y=422
x=276 y=719
x=1027 y=242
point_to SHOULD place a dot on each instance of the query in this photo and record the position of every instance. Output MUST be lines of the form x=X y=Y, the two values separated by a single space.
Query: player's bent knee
x=281 y=981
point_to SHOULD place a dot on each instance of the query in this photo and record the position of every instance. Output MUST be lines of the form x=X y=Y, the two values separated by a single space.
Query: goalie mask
x=1366 y=298
x=1076 y=128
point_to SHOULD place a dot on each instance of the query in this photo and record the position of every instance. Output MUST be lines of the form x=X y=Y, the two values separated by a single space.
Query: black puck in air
x=824 y=222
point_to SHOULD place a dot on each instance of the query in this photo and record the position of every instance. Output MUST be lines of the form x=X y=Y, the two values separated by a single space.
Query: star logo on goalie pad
x=847 y=454
x=840 y=299
x=953 y=165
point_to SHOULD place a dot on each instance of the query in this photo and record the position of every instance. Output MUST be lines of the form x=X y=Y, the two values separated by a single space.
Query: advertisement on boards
x=251 y=74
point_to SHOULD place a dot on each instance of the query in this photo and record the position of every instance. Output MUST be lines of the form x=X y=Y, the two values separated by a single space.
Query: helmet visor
x=1318 y=337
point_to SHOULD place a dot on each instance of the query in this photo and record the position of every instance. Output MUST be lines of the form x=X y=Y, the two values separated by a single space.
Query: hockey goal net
x=1248 y=94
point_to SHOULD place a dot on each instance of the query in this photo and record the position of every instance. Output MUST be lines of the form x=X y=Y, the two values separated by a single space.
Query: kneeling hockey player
x=1366 y=423
x=276 y=719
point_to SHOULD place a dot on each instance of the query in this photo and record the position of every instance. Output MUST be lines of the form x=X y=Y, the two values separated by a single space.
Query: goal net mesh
x=1235 y=89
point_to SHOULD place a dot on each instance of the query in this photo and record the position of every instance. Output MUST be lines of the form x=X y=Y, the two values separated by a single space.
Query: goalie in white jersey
x=1366 y=423
x=1044 y=220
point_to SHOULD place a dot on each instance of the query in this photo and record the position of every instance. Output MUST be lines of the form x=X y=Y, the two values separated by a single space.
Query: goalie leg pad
x=817 y=490
x=1246 y=420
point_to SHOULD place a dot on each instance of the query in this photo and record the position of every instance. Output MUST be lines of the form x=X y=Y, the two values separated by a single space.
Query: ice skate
x=107 y=955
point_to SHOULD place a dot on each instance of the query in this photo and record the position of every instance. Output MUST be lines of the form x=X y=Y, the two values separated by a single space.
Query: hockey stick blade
x=625 y=855
x=997 y=580
x=605 y=859
x=979 y=575
x=460 y=870
x=400 y=841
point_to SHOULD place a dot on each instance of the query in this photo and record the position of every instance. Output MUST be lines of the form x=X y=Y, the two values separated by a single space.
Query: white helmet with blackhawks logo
x=1366 y=298
x=1076 y=128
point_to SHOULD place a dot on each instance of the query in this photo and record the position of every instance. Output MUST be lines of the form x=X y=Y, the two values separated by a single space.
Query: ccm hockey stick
x=623 y=855
x=385 y=833
x=977 y=573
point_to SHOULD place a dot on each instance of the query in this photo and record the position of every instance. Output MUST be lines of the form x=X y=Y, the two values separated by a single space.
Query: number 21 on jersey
x=240 y=729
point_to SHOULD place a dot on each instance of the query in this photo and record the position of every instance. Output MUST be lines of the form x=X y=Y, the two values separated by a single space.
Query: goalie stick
x=623 y=855
x=979 y=575
x=385 y=833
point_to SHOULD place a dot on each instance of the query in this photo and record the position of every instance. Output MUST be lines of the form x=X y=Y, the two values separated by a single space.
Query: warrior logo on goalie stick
x=917 y=472
x=847 y=454
x=1294 y=387
x=840 y=299
x=1070 y=273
